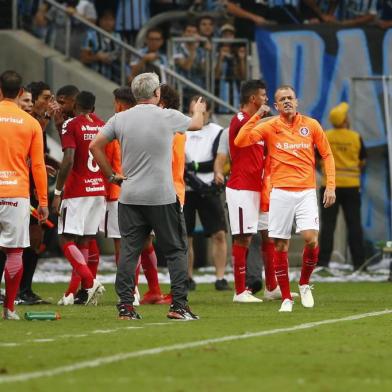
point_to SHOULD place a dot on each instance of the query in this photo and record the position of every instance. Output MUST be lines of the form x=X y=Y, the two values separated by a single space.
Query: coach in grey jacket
x=148 y=199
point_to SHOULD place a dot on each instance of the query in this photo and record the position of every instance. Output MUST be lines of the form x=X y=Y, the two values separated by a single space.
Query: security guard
x=350 y=154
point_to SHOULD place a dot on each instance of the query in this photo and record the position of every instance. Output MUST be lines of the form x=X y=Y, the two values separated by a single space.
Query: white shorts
x=109 y=223
x=243 y=210
x=262 y=224
x=81 y=215
x=14 y=222
x=288 y=207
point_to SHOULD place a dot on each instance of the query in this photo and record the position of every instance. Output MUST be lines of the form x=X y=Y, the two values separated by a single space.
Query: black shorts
x=210 y=210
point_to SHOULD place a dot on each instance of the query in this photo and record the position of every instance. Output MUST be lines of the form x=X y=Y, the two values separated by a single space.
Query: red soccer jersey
x=246 y=163
x=85 y=178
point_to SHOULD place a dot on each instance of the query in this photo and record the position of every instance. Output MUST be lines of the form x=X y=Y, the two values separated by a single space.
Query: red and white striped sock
x=239 y=265
x=74 y=283
x=13 y=275
x=281 y=263
x=309 y=262
x=149 y=264
x=93 y=257
x=76 y=259
x=268 y=249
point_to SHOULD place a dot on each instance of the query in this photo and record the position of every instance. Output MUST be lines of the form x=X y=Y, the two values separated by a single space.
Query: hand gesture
x=150 y=57
x=200 y=106
x=56 y=204
x=43 y=214
x=263 y=110
x=118 y=179
x=329 y=197
x=219 y=178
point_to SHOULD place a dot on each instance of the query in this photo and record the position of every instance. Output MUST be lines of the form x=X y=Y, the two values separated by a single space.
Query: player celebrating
x=290 y=139
x=21 y=139
x=84 y=194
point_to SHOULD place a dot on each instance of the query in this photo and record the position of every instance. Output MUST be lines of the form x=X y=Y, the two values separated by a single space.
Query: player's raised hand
x=329 y=197
x=263 y=110
x=200 y=105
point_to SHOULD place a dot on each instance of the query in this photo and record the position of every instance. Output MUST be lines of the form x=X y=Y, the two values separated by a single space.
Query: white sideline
x=181 y=346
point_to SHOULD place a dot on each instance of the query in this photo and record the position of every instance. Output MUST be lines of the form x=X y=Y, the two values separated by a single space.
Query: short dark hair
x=191 y=24
x=208 y=103
x=170 y=99
x=85 y=100
x=249 y=88
x=10 y=84
x=68 y=90
x=36 y=89
x=154 y=30
x=124 y=94
x=211 y=18
x=106 y=12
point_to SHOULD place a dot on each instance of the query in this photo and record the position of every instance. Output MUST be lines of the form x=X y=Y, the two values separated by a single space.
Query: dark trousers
x=136 y=223
x=350 y=200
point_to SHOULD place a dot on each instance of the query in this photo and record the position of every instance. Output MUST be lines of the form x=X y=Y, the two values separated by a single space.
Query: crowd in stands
x=198 y=52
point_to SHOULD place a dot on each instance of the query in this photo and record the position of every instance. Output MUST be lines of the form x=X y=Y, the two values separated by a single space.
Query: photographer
x=203 y=195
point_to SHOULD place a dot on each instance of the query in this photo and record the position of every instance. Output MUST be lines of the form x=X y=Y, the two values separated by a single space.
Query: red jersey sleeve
x=67 y=135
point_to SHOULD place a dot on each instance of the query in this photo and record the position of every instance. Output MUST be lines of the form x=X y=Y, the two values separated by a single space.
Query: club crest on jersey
x=304 y=131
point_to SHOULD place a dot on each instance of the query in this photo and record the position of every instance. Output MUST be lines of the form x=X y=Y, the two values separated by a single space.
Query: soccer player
x=25 y=101
x=243 y=195
x=83 y=195
x=65 y=97
x=21 y=139
x=290 y=139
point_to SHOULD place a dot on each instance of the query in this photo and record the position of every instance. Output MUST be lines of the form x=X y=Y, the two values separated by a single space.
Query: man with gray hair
x=148 y=199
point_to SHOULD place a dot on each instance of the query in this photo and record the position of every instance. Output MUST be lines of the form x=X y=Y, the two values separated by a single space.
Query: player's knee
x=281 y=245
x=311 y=242
x=243 y=240
x=219 y=236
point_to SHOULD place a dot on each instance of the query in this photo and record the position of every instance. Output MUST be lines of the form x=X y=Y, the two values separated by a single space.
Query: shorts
x=210 y=210
x=81 y=215
x=14 y=222
x=288 y=207
x=262 y=224
x=109 y=223
x=243 y=206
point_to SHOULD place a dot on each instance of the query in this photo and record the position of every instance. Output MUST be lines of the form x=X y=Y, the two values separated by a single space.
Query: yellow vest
x=346 y=146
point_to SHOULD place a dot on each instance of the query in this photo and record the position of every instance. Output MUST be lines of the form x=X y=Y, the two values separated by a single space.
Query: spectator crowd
x=209 y=45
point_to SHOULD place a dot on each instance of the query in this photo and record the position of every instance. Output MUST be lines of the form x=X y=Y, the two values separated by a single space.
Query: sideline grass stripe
x=181 y=346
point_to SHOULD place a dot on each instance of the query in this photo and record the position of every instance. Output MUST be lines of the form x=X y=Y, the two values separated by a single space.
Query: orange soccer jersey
x=291 y=148
x=113 y=154
x=21 y=138
x=178 y=165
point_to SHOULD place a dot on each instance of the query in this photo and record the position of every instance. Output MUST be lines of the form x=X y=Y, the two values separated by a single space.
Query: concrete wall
x=36 y=61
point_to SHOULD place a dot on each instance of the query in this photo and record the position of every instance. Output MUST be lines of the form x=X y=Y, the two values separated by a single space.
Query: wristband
x=57 y=192
x=111 y=177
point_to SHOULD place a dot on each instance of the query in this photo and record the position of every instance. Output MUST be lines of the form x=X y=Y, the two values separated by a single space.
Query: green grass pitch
x=348 y=355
